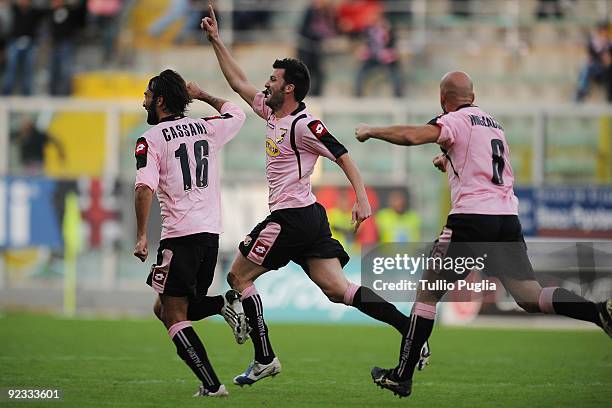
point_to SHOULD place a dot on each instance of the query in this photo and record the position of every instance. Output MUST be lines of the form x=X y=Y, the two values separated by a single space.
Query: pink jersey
x=479 y=170
x=293 y=145
x=179 y=159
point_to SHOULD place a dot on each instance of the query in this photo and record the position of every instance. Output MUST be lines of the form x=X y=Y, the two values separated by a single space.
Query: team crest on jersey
x=281 y=137
x=140 y=152
x=271 y=148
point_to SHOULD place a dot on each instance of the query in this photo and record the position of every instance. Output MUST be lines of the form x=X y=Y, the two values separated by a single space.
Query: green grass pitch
x=131 y=363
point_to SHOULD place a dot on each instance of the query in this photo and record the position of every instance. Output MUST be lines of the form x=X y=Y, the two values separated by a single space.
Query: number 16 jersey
x=479 y=171
x=179 y=159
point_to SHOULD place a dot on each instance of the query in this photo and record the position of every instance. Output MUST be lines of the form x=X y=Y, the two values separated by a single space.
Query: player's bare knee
x=529 y=307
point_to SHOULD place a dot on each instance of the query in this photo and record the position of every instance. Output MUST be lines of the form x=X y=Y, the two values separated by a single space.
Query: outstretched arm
x=361 y=209
x=400 y=135
x=234 y=75
x=195 y=92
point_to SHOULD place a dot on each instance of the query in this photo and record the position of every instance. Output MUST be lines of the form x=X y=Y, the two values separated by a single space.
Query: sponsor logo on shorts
x=260 y=248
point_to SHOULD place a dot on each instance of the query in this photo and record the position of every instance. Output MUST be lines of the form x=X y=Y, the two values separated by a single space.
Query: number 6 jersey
x=179 y=159
x=478 y=166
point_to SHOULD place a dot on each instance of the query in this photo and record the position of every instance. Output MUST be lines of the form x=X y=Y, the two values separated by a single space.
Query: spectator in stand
x=379 y=50
x=397 y=223
x=104 y=15
x=319 y=24
x=354 y=16
x=67 y=18
x=599 y=64
x=32 y=142
x=22 y=47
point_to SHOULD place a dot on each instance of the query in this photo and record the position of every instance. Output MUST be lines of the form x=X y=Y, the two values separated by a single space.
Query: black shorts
x=498 y=239
x=185 y=265
x=292 y=234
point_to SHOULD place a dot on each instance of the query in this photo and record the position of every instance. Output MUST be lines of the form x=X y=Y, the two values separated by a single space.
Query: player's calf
x=157 y=309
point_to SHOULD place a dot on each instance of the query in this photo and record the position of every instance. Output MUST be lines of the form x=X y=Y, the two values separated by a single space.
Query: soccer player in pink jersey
x=178 y=159
x=484 y=210
x=297 y=228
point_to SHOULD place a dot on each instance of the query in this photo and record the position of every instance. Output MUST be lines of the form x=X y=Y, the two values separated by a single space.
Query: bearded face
x=149 y=104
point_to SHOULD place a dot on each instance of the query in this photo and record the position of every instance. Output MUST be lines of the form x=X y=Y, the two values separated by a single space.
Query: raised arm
x=404 y=135
x=195 y=92
x=234 y=75
x=361 y=209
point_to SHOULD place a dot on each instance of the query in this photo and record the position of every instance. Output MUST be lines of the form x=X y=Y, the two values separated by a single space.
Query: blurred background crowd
x=45 y=44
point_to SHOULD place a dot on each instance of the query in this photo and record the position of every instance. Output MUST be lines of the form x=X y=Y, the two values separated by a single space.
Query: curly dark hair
x=296 y=73
x=173 y=88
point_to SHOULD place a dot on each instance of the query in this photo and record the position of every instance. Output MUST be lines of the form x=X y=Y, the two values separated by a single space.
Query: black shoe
x=386 y=378
x=605 y=316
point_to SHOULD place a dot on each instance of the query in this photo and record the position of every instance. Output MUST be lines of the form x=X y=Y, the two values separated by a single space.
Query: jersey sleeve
x=259 y=106
x=317 y=139
x=450 y=125
x=147 y=164
x=228 y=123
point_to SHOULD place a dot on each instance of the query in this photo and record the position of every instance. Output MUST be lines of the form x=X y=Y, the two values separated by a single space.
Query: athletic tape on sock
x=350 y=294
x=545 y=302
x=424 y=310
x=250 y=291
x=177 y=327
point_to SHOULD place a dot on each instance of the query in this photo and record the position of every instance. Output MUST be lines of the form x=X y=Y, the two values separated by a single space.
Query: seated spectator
x=599 y=64
x=379 y=50
x=319 y=24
